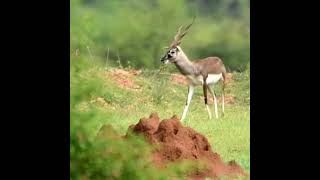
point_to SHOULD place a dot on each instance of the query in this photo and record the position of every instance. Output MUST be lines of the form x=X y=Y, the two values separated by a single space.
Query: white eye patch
x=172 y=51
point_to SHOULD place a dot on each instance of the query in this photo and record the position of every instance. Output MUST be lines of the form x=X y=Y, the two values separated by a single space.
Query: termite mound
x=178 y=142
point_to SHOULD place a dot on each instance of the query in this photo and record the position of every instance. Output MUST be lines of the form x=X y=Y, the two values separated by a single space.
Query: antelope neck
x=184 y=65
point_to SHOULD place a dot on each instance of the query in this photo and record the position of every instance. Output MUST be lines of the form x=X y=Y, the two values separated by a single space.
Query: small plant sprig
x=119 y=60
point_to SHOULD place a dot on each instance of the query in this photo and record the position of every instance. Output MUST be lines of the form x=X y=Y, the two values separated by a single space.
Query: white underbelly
x=198 y=80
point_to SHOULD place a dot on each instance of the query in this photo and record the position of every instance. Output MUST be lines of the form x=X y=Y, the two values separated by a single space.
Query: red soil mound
x=183 y=143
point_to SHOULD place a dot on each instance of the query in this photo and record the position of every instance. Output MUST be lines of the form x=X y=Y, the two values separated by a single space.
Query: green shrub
x=106 y=157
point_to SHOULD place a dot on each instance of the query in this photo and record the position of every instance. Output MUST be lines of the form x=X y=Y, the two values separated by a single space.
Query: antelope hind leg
x=215 y=101
x=205 y=88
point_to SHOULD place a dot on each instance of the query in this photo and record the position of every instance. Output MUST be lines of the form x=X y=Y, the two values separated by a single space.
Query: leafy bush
x=106 y=157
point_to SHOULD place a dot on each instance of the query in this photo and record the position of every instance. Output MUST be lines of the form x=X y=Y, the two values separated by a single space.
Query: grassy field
x=124 y=98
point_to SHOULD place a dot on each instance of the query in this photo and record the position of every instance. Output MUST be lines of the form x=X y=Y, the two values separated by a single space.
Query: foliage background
x=135 y=31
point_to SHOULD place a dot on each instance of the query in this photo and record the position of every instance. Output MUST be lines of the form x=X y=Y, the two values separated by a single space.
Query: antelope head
x=174 y=50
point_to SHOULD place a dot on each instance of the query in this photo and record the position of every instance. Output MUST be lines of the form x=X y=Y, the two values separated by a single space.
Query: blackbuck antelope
x=206 y=72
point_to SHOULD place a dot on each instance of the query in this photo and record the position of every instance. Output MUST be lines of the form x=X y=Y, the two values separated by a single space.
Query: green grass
x=229 y=135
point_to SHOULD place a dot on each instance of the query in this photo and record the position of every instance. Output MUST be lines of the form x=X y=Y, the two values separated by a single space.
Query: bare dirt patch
x=123 y=78
x=229 y=78
x=182 y=80
x=178 y=142
x=228 y=99
x=134 y=72
x=179 y=79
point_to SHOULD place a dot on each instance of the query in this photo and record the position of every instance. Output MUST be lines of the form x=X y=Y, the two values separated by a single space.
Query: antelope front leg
x=190 y=94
